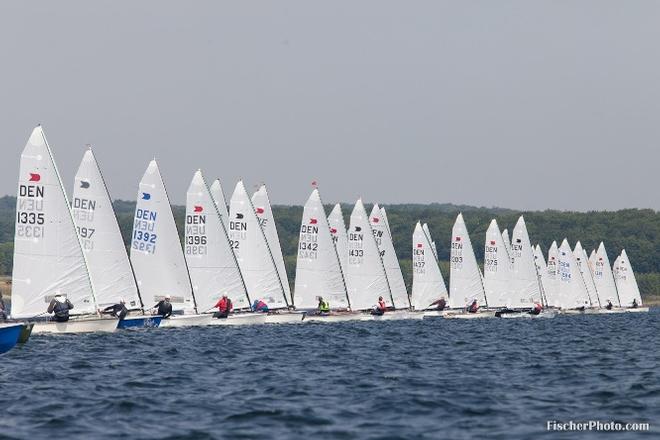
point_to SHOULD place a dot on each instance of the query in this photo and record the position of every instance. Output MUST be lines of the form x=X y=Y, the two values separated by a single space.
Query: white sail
x=428 y=285
x=221 y=203
x=583 y=263
x=626 y=282
x=498 y=269
x=339 y=236
x=318 y=271
x=526 y=288
x=365 y=274
x=262 y=207
x=427 y=231
x=100 y=236
x=604 y=278
x=541 y=270
x=465 y=280
x=507 y=241
x=48 y=258
x=572 y=292
x=156 y=253
x=592 y=261
x=551 y=285
x=213 y=268
x=383 y=237
x=252 y=252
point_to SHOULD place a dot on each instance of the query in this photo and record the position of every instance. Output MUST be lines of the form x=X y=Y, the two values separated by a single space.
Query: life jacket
x=223 y=305
x=324 y=306
x=382 y=305
x=61 y=309
x=474 y=307
x=538 y=307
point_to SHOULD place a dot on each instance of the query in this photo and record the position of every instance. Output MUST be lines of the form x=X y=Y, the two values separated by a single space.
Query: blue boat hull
x=9 y=336
x=140 y=322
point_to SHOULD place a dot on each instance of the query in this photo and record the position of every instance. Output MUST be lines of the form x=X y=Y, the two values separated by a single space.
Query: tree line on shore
x=636 y=230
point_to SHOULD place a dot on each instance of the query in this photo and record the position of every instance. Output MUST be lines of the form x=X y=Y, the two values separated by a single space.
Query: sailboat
x=583 y=264
x=498 y=269
x=211 y=261
x=48 y=257
x=366 y=278
x=604 y=280
x=383 y=236
x=103 y=246
x=465 y=279
x=262 y=207
x=156 y=253
x=318 y=269
x=572 y=294
x=428 y=286
x=339 y=235
x=551 y=283
x=254 y=256
x=626 y=284
x=542 y=271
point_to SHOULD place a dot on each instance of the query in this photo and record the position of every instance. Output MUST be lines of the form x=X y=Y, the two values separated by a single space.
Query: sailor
x=118 y=310
x=60 y=306
x=164 y=307
x=3 y=309
x=441 y=303
x=536 y=310
x=609 y=305
x=634 y=304
x=474 y=307
x=259 y=306
x=324 y=306
x=380 y=308
x=224 y=306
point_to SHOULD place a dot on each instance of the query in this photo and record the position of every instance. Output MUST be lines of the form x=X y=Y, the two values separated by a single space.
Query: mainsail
x=318 y=271
x=526 y=289
x=213 y=268
x=101 y=238
x=383 y=238
x=572 y=292
x=625 y=281
x=583 y=263
x=507 y=240
x=428 y=285
x=604 y=278
x=365 y=274
x=262 y=207
x=427 y=231
x=542 y=271
x=465 y=280
x=498 y=270
x=339 y=236
x=156 y=253
x=252 y=252
x=551 y=284
x=221 y=203
x=48 y=258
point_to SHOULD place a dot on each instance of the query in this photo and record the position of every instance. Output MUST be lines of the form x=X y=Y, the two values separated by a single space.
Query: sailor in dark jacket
x=164 y=307
x=117 y=310
x=60 y=306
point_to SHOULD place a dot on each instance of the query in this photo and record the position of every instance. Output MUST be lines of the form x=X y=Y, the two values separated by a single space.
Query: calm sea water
x=408 y=379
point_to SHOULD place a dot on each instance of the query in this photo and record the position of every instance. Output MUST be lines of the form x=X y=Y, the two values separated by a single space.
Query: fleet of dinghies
x=76 y=251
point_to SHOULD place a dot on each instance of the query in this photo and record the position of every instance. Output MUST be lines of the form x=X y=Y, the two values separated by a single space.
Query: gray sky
x=530 y=105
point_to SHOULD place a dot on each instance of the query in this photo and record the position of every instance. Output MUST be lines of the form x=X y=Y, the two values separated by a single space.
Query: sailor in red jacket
x=224 y=306
x=381 y=308
x=536 y=310
x=474 y=307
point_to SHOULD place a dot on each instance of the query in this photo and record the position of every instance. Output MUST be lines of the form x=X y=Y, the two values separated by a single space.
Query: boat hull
x=26 y=331
x=9 y=334
x=335 y=317
x=638 y=310
x=142 y=321
x=465 y=315
x=284 y=318
x=603 y=311
x=241 y=319
x=527 y=315
x=83 y=325
x=186 y=321
x=430 y=314
x=398 y=315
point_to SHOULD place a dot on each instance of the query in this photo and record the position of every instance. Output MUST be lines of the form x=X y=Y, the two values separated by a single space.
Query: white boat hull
x=435 y=313
x=338 y=317
x=81 y=325
x=241 y=319
x=527 y=315
x=603 y=311
x=186 y=321
x=398 y=315
x=284 y=318
x=466 y=315
x=638 y=310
